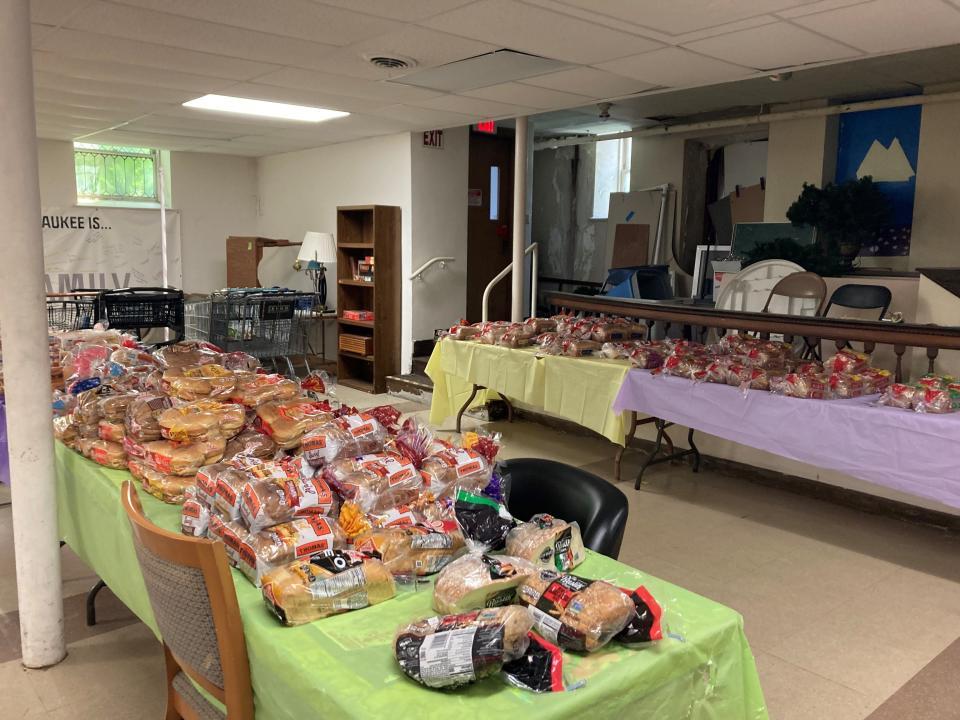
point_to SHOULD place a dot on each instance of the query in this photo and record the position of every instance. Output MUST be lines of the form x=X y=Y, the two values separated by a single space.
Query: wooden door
x=489 y=223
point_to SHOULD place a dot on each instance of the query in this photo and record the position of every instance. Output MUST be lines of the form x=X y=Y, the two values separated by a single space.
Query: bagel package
x=478 y=580
x=453 y=650
x=271 y=501
x=547 y=542
x=347 y=436
x=286 y=422
x=167 y=488
x=261 y=552
x=326 y=583
x=410 y=551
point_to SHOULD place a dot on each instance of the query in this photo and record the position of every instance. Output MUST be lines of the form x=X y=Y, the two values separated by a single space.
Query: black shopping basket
x=72 y=311
x=138 y=310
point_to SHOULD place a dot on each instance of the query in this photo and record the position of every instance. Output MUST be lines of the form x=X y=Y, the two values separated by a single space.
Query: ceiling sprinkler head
x=604 y=110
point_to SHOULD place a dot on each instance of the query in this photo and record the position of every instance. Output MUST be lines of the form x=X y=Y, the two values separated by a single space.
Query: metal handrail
x=532 y=250
x=418 y=273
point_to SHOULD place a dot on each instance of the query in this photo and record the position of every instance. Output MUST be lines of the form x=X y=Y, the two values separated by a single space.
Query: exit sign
x=433 y=139
x=488 y=126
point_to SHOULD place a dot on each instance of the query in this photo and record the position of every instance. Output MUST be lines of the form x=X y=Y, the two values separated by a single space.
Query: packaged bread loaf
x=141 y=421
x=194 y=515
x=280 y=544
x=375 y=482
x=229 y=483
x=167 y=488
x=187 y=353
x=478 y=580
x=232 y=534
x=200 y=420
x=65 y=430
x=326 y=583
x=576 y=347
x=268 y=502
x=617 y=331
x=171 y=458
x=847 y=361
x=114 y=407
x=103 y=452
x=547 y=542
x=252 y=444
x=347 y=436
x=410 y=551
x=286 y=422
x=110 y=431
x=453 y=650
x=255 y=389
x=574 y=613
x=463 y=332
x=446 y=471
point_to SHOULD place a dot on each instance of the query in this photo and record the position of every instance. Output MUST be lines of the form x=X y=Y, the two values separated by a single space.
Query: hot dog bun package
x=325 y=583
x=478 y=580
x=347 y=436
x=453 y=650
x=548 y=542
x=261 y=552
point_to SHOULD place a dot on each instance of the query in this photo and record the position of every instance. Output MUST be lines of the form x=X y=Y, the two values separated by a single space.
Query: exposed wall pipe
x=519 y=216
x=758 y=119
x=23 y=322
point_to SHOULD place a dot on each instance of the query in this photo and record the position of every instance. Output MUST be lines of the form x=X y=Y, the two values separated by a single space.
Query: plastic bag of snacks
x=453 y=650
x=326 y=583
x=347 y=436
x=478 y=580
x=194 y=515
x=483 y=522
x=287 y=422
x=547 y=542
x=410 y=551
x=576 y=614
x=168 y=488
x=454 y=468
x=539 y=669
x=281 y=544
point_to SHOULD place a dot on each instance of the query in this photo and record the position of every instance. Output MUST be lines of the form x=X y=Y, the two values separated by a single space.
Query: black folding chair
x=859 y=296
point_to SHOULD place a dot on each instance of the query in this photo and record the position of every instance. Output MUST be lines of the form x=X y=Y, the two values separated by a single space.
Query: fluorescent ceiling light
x=263 y=108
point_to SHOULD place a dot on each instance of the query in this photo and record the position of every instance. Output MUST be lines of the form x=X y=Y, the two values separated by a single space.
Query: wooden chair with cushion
x=194 y=601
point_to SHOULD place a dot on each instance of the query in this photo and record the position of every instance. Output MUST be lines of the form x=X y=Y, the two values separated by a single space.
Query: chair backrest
x=569 y=493
x=860 y=296
x=195 y=603
x=801 y=286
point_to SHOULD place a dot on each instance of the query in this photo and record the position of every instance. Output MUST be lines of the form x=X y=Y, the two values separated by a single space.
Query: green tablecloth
x=343 y=666
x=577 y=389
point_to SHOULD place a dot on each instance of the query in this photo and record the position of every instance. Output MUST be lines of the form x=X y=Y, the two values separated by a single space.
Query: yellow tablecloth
x=577 y=389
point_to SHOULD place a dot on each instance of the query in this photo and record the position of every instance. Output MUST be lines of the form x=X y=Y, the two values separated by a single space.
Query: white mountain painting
x=886 y=164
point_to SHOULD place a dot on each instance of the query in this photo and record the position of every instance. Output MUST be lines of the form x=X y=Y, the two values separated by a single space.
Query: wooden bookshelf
x=364 y=230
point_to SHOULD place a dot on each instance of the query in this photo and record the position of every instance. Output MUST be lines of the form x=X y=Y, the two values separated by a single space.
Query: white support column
x=519 y=217
x=23 y=323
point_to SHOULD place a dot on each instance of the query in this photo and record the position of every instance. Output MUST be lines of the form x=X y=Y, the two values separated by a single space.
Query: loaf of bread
x=228 y=487
x=263 y=551
x=172 y=458
x=479 y=581
x=326 y=583
x=574 y=613
x=272 y=501
x=410 y=551
x=187 y=353
x=252 y=390
x=547 y=542
x=446 y=471
x=347 y=436
x=452 y=650
x=232 y=534
x=252 y=444
x=376 y=482
x=167 y=488
x=286 y=422
x=110 y=431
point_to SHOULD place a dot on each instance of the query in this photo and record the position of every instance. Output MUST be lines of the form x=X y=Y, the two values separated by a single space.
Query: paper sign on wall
x=474 y=197
x=106 y=248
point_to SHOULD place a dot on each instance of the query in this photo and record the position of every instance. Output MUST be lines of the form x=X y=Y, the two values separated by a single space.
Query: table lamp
x=317 y=248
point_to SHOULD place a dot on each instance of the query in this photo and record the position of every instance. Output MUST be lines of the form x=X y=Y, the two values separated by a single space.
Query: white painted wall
x=438 y=229
x=217 y=197
x=938 y=306
x=300 y=191
x=795 y=155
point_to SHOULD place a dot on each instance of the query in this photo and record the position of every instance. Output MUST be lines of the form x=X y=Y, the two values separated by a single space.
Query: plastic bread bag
x=187 y=353
x=253 y=390
x=414 y=441
x=194 y=515
x=576 y=614
x=685 y=365
x=513 y=338
x=326 y=583
x=171 y=458
x=228 y=486
x=347 y=436
x=267 y=549
x=539 y=669
x=769 y=355
x=102 y=452
x=541 y=325
x=899 y=395
x=576 y=347
x=844 y=386
x=455 y=468
x=647 y=357
x=252 y=444
x=375 y=482
x=110 y=431
x=286 y=422
x=142 y=415
x=479 y=580
x=167 y=488
x=463 y=332
x=617 y=331
x=197 y=383
x=646 y=623
x=410 y=551
x=114 y=407
x=272 y=501
x=547 y=542
x=801 y=386
x=232 y=534
x=847 y=361
x=202 y=419
x=453 y=650
x=936 y=400
x=65 y=430
x=206 y=482
x=876 y=380
x=240 y=362
x=135 y=450
x=747 y=378
x=483 y=522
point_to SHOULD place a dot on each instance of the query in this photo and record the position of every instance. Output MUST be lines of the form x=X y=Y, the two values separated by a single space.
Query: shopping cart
x=139 y=310
x=72 y=311
x=262 y=323
x=196 y=319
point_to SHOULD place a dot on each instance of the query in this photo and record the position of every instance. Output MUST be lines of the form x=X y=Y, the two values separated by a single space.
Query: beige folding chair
x=193 y=598
x=799 y=286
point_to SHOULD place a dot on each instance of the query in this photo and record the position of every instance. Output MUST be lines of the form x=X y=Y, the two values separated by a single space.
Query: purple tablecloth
x=916 y=453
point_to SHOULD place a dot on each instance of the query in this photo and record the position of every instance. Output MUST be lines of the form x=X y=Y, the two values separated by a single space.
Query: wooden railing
x=698 y=320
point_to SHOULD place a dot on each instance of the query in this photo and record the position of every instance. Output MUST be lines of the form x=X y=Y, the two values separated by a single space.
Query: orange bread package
x=347 y=436
x=171 y=458
x=285 y=422
x=168 y=488
x=280 y=544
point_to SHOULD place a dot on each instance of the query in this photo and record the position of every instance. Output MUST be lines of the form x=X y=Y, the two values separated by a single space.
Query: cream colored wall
x=796 y=153
x=940 y=307
x=58 y=180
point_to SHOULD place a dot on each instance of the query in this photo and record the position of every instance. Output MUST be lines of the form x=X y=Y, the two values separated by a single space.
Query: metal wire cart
x=72 y=311
x=262 y=323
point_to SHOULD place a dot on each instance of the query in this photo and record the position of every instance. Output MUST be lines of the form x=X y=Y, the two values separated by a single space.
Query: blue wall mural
x=884 y=144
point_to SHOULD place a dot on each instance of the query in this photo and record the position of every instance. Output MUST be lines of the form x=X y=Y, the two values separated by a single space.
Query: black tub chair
x=569 y=493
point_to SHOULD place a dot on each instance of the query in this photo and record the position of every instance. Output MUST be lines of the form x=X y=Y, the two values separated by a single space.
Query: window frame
x=118 y=200
x=624 y=163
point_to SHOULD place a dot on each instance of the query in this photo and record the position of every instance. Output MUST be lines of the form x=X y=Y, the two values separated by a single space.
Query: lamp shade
x=318 y=247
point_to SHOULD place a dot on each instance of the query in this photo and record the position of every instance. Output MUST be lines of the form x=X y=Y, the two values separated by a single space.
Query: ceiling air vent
x=390 y=63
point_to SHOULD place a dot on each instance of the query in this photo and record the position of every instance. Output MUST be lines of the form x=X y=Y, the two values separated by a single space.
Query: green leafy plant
x=846 y=215
x=809 y=257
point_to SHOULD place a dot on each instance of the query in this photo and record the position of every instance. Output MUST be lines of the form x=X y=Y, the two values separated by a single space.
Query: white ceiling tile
x=675 y=67
x=889 y=25
x=142 y=139
x=162 y=28
x=91 y=46
x=99 y=70
x=487 y=109
x=810 y=8
x=589 y=81
x=675 y=17
x=103 y=88
x=95 y=102
x=703 y=33
x=291 y=18
x=510 y=24
x=528 y=96
x=331 y=101
x=406 y=11
x=427 y=47
x=55 y=12
x=772 y=46
x=426 y=118
x=301 y=79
